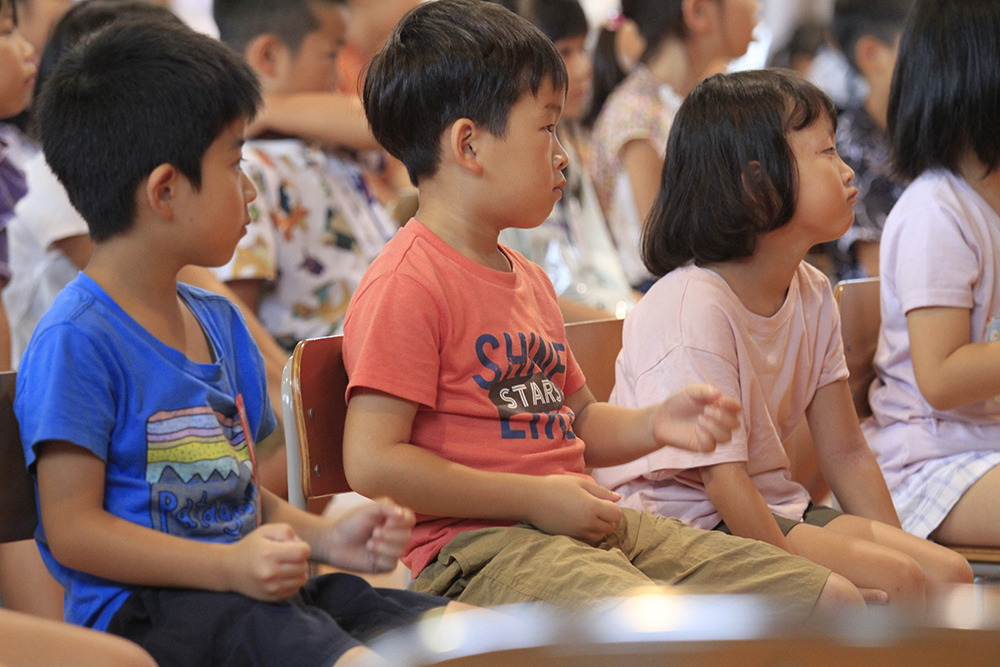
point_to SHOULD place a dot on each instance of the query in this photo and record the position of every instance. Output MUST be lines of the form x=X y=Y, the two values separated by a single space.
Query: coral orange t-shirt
x=482 y=352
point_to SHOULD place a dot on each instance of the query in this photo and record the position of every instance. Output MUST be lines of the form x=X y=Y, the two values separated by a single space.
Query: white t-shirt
x=691 y=327
x=42 y=217
x=939 y=249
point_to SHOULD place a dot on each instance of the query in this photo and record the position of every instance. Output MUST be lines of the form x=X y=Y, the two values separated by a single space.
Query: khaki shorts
x=513 y=564
x=815 y=515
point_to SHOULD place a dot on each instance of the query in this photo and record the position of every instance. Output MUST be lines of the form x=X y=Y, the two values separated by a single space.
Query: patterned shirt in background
x=314 y=230
x=640 y=109
x=13 y=186
x=865 y=149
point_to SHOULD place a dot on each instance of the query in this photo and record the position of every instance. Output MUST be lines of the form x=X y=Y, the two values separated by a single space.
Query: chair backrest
x=18 y=517
x=313 y=388
x=596 y=345
x=860 y=320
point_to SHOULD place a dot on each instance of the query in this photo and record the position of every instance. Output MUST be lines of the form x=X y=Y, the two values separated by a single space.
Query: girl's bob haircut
x=945 y=97
x=730 y=174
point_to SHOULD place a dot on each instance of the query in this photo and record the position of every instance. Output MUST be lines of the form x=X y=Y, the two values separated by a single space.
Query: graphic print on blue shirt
x=200 y=476
x=522 y=382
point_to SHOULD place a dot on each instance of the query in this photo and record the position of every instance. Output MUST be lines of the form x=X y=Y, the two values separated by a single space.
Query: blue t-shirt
x=166 y=427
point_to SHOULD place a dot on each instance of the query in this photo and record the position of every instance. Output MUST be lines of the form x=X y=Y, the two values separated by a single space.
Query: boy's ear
x=872 y=55
x=161 y=189
x=266 y=54
x=699 y=15
x=464 y=143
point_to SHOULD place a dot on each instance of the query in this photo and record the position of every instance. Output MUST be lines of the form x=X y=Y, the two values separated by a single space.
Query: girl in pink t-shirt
x=751 y=182
x=936 y=424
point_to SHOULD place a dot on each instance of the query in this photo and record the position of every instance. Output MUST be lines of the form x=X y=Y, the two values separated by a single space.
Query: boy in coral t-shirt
x=464 y=398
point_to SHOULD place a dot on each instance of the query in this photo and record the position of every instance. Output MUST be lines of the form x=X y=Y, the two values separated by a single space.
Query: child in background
x=617 y=50
x=686 y=40
x=751 y=182
x=37 y=18
x=316 y=226
x=573 y=244
x=143 y=450
x=868 y=34
x=464 y=398
x=936 y=424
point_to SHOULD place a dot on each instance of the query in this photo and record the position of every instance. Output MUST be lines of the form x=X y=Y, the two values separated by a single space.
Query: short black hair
x=453 y=59
x=129 y=98
x=557 y=19
x=853 y=19
x=945 y=96
x=89 y=16
x=240 y=21
x=730 y=173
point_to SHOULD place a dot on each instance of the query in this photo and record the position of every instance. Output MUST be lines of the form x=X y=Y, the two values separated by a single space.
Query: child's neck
x=462 y=230
x=681 y=65
x=144 y=285
x=986 y=186
x=761 y=281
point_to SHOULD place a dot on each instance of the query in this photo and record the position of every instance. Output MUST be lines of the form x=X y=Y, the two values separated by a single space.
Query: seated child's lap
x=329 y=616
x=507 y=565
x=815 y=515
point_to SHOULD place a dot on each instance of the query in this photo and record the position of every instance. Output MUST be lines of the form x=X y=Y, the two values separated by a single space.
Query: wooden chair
x=18 y=516
x=596 y=345
x=313 y=386
x=860 y=321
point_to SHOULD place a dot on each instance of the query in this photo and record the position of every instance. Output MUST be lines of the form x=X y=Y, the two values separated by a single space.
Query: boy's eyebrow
x=553 y=106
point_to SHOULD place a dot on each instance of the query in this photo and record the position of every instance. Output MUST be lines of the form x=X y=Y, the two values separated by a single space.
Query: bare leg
x=26 y=641
x=972 y=521
x=865 y=564
x=25 y=583
x=941 y=565
x=838 y=593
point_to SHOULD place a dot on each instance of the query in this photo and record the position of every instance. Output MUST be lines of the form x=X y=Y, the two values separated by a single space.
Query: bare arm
x=77 y=248
x=330 y=118
x=379 y=460
x=844 y=456
x=740 y=504
x=696 y=418
x=643 y=165
x=951 y=371
x=267 y=564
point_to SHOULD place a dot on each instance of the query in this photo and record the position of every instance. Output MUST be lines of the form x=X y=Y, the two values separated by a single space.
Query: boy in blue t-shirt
x=139 y=398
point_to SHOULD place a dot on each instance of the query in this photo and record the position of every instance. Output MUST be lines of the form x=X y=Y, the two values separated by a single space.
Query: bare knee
x=956 y=570
x=908 y=583
x=839 y=593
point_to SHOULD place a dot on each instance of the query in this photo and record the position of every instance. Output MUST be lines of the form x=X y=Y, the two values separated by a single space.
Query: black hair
x=89 y=16
x=557 y=19
x=240 y=21
x=129 y=98
x=453 y=59
x=853 y=19
x=730 y=173
x=945 y=96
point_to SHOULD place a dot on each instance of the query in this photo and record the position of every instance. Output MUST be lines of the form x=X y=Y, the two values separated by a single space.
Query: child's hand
x=269 y=564
x=369 y=539
x=577 y=507
x=698 y=417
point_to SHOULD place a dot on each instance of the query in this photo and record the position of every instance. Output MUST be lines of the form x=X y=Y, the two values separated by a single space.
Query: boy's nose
x=559 y=157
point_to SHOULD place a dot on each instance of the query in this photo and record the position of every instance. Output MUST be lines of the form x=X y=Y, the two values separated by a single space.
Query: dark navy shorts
x=330 y=615
x=815 y=515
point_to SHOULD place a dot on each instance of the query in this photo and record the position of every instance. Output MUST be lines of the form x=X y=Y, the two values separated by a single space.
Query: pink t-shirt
x=939 y=249
x=482 y=352
x=691 y=327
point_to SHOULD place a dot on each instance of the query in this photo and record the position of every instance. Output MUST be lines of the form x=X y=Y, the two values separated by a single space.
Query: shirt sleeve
x=400 y=356
x=932 y=261
x=682 y=366
x=59 y=378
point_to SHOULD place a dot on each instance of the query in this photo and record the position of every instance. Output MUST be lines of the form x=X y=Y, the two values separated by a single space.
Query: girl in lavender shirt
x=936 y=424
x=752 y=181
